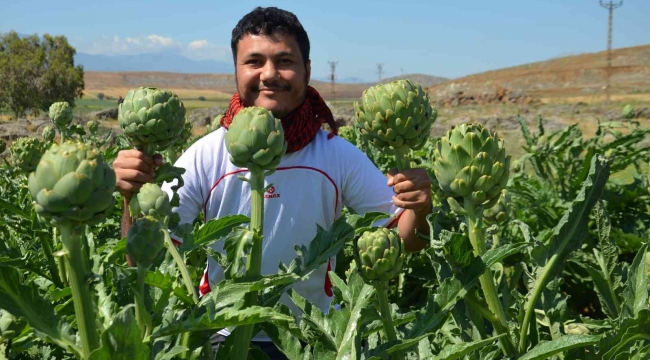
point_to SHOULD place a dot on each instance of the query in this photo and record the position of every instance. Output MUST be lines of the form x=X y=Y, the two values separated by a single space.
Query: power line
x=610 y=6
x=380 y=71
x=333 y=75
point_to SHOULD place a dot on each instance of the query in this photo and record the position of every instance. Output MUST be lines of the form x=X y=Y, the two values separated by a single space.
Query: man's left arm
x=412 y=188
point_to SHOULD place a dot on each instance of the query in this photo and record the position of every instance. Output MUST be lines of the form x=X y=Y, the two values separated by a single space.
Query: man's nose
x=269 y=71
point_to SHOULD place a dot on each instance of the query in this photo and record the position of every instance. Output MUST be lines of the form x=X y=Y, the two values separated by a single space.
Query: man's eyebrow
x=280 y=54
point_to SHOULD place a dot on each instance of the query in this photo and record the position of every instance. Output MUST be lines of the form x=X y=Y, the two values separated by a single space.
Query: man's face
x=270 y=72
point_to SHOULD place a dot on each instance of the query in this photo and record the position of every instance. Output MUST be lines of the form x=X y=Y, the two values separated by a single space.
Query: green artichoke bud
x=151 y=118
x=575 y=329
x=60 y=114
x=92 y=126
x=10 y=326
x=471 y=162
x=151 y=201
x=145 y=240
x=72 y=184
x=349 y=134
x=379 y=255
x=216 y=123
x=498 y=213
x=628 y=111
x=48 y=134
x=395 y=115
x=255 y=140
x=26 y=153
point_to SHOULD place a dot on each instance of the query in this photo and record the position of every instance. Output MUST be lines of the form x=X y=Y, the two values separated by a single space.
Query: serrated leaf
x=636 y=290
x=457 y=351
x=549 y=348
x=226 y=318
x=215 y=229
x=122 y=339
x=440 y=303
x=24 y=300
x=237 y=245
x=169 y=355
x=494 y=256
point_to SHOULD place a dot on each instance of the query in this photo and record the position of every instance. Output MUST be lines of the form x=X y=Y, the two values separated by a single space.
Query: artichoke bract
x=92 y=126
x=151 y=118
x=498 y=213
x=48 y=134
x=471 y=162
x=255 y=140
x=72 y=184
x=145 y=240
x=151 y=201
x=395 y=115
x=379 y=254
x=26 y=153
x=61 y=114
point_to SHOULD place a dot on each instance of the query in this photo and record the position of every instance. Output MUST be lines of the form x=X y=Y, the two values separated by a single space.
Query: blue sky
x=444 y=38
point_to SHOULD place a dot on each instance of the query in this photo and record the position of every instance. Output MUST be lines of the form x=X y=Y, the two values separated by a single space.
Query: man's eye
x=252 y=62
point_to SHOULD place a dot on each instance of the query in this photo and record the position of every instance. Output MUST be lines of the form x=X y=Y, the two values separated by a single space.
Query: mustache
x=273 y=86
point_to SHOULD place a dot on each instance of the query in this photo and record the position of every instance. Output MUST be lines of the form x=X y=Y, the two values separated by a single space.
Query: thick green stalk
x=381 y=292
x=81 y=291
x=141 y=312
x=254 y=260
x=477 y=238
x=401 y=160
x=60 y=262
x=187 y=279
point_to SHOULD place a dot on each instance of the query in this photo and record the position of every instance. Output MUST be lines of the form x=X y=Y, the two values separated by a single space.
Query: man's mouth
x=272 y=89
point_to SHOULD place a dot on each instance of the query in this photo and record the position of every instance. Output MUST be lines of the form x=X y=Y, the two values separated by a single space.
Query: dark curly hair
x=267 y=21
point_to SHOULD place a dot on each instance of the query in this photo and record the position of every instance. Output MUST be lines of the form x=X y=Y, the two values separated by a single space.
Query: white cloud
x=198 y=49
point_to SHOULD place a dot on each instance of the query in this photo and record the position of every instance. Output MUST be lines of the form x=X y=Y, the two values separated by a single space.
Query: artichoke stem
x=53 y=264
x=254 y=260
x=141 y=312
x=381 y=293
x=187 y=279
x=477 y=238
x=401 y=160
x=81 y=291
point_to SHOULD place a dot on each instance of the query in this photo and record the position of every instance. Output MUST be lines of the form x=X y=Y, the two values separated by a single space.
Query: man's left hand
x=412 y=188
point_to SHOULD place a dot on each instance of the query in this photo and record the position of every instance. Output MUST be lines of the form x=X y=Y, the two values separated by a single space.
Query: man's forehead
x=280 y=42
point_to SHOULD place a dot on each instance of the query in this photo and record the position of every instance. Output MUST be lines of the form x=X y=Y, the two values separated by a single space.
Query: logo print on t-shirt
x=270 y=193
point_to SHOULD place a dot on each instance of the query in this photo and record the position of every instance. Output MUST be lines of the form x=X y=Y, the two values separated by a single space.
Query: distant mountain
x=162 y=61
x=347 y=80
x=422 y=79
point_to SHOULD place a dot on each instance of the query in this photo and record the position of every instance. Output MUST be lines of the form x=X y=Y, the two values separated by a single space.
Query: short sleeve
x=191 y=198
x=365 y=188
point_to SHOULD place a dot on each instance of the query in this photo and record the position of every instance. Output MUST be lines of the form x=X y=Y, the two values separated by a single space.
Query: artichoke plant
x=61 y=114
x=395 y=117
x=151 y=118
x=26 y=153
x=214 y=125
x=92 y=126
x=49 y=134
x=379 y=255
x=73 y=187
x=145 y=240
x=470 y=164
x=174 y=151
x=151 y=201
x=255 y=139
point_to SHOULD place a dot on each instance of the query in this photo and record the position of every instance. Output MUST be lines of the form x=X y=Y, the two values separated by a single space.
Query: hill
x=161 y=61
x=216 y=86
x=572 y=76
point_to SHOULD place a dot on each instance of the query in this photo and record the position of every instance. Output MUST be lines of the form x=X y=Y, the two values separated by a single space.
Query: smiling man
x=320 y=173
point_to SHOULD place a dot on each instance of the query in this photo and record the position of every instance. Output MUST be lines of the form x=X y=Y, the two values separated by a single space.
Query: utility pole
x=380 y=71
x=610 y=6
x=333 y=75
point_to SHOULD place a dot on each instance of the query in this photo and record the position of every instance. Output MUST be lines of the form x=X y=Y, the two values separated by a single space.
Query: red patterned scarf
x=301 y=125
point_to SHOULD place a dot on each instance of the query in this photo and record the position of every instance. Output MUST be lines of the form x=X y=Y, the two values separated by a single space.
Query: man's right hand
x=133 y=169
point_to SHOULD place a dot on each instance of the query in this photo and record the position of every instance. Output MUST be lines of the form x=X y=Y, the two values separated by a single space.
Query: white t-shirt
x=309 y=187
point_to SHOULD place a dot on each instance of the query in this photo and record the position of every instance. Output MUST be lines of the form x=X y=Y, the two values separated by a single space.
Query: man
x=319 y=175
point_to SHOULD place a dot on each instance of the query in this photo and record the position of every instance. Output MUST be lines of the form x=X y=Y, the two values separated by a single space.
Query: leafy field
x=557 y=268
